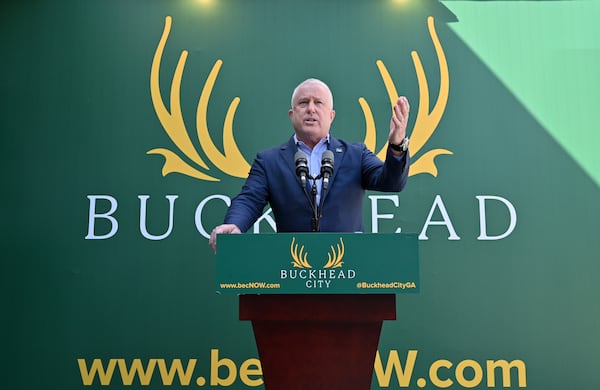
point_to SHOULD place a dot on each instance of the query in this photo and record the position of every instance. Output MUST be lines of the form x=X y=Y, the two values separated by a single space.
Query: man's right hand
x=222 y=229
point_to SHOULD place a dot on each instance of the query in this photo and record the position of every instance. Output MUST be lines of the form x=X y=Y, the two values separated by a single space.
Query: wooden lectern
x=317 y=341
x=317 y=301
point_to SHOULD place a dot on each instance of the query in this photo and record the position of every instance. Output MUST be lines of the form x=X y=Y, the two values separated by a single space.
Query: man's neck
x=311 y=143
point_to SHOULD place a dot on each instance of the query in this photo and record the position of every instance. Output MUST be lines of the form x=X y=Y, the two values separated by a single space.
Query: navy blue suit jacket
x=273 y=180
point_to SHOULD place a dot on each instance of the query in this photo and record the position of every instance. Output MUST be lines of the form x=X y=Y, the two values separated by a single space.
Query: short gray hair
x=311 y=81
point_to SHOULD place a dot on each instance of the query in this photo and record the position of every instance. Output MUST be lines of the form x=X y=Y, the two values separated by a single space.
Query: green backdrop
x=100 y=287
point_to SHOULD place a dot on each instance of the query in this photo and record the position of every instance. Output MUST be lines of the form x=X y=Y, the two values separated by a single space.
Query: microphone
x=326 y=167
x=301 y=166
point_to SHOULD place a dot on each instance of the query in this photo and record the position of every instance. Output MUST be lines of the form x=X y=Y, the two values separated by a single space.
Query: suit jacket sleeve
x=389 y=177
x=248 y=205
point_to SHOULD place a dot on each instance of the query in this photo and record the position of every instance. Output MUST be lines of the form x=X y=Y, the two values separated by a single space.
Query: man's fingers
x=212 y=241
x=222 y=229
x=404 y=106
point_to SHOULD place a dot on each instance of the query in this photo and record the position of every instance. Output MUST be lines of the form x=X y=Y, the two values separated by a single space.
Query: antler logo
x=231 y=162
x=334 y=257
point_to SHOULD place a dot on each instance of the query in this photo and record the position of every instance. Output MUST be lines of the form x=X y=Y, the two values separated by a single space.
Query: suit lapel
x=339 y=152
x=288 y=151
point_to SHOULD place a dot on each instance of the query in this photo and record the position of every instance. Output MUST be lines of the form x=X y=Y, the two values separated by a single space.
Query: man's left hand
x=399 y=121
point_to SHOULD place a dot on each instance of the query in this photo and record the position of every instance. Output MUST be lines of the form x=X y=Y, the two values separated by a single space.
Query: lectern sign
x=317 y=263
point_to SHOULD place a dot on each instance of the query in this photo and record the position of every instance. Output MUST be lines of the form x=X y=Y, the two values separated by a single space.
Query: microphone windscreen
x=328 y=155
x=300 y=156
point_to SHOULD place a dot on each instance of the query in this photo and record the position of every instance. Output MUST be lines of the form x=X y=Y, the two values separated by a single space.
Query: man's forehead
x=312 y=90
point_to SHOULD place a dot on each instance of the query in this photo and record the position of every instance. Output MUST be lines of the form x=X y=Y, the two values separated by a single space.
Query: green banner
x=127 y=126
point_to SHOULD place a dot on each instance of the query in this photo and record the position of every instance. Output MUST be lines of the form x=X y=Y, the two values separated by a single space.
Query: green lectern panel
x=317 y=263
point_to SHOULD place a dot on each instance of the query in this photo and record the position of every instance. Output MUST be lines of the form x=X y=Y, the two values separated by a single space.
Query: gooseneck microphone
x=302 y=171
x=326 y=167
x=301 y=166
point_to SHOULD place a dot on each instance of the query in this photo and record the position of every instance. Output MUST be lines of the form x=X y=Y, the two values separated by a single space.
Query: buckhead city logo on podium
x=319 y=278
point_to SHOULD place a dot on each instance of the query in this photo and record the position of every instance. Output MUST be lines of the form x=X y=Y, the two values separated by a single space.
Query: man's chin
x=311 y=128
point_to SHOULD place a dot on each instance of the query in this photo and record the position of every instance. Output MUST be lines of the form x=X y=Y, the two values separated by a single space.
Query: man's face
x=312 y=112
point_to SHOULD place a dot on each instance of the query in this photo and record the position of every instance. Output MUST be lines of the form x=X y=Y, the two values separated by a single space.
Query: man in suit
x=273 y=177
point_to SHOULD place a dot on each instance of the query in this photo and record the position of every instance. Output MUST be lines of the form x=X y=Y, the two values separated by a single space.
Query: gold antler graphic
x=334 y=258
x=231 y=162
x=426 y=121
x=300 y=259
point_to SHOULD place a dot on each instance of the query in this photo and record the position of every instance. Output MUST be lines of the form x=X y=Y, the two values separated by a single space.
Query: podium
x=317 y=301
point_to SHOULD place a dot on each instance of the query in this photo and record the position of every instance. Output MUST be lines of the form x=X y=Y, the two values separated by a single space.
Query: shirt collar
x=323 y=140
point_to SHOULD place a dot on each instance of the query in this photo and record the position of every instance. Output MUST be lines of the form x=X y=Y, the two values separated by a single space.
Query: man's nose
x=311 y=106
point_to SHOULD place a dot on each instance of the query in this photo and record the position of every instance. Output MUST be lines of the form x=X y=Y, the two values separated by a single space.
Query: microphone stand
x=323 y=192
x=316 y=212
x=326 y=172
x=302 y=171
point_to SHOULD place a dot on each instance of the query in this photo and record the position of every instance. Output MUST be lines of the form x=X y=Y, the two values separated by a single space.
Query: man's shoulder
x=275 y=150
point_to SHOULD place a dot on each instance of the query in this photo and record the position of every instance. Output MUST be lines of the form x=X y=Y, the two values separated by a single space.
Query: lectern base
x=317 y=341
